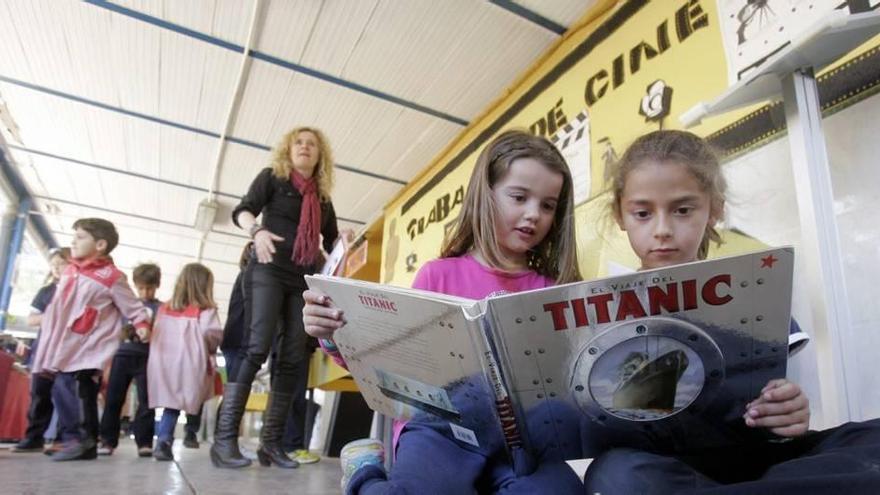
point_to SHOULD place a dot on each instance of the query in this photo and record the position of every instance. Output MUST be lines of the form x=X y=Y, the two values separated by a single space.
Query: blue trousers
x=66 y=406
x=431 y=461
x=166 y=425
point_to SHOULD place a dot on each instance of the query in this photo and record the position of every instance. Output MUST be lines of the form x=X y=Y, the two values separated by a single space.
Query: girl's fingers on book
x=321 y=328
x=778 y=382
x=768 y=409
x=783 y=392
x=780 y=421
x=313 y=296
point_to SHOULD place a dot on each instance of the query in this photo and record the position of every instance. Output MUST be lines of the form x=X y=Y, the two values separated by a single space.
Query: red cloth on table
x=15 y=398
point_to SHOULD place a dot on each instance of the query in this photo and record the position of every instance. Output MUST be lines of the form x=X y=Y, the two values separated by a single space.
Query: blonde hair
x=555 y=256
x=282 y=166
x=688 y=149
x=194 y=286
x=63 y=253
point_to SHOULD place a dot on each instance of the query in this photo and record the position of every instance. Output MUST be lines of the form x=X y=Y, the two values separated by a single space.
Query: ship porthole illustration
x=646 y=370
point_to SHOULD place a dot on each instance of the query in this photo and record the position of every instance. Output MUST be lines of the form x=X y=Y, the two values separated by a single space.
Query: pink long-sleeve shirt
x=181 y=368
x=81 y=327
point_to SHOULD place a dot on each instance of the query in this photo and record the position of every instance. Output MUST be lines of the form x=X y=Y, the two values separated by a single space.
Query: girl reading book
x=515 y=232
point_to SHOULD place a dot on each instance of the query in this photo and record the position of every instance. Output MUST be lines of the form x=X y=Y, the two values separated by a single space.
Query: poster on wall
x=591 y=99
x=573 y=141
x=633 y=70
x=754 y=30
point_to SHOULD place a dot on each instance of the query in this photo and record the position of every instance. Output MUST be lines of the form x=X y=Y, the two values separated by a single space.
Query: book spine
x=503 y=403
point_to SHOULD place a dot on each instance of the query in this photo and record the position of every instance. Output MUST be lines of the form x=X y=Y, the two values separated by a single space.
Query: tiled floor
x=190 y=473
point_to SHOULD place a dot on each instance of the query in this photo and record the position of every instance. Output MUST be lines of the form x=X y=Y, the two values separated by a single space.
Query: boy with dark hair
x=130 y=364
x=80 y=328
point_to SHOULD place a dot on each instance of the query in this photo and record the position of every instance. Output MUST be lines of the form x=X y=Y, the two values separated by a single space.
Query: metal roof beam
x=530 y=15
x=141 y=176
x=177 y=125
x=159 y=251
x=161 y=23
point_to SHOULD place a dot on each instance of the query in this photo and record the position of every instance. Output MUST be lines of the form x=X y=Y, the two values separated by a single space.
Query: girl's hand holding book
x=782 y=407
x=320 y=316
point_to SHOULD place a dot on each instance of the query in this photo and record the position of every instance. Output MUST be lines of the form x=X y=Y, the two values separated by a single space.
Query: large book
x=673 y=353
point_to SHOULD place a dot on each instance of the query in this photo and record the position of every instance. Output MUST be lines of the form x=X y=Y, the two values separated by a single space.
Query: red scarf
x=78 y=265
x=306 y=246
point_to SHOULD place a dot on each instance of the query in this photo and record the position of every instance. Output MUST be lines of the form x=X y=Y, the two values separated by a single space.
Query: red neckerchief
x=305 y=246
x=191 y=311
x=77 y=266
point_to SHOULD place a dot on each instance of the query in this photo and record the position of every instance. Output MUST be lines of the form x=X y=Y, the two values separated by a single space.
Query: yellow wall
x=677 y=41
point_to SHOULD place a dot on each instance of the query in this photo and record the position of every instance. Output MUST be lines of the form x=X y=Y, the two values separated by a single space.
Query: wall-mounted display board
x=626 y=69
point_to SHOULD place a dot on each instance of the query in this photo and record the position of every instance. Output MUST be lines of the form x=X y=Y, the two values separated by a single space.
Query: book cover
x=673 y=353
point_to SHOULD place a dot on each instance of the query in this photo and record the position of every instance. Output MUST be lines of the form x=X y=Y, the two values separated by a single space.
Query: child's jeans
x=167 y=424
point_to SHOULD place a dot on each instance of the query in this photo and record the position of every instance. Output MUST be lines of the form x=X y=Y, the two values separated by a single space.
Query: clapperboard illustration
x=573 y=141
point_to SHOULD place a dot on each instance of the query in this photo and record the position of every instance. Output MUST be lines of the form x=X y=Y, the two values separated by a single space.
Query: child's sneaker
x=357 y=454
x=190 y=441
x=53 y=447
x=75 y=450
x=29 y=445
x=145 y=451
x=162 y=452
x=303 y=456
x=105 y=449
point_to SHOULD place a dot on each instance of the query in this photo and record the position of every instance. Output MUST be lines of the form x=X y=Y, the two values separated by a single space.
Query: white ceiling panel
x=367 y=118
x=224 y=19
x=91 y=53
x=81 y=132
x=288 y=26
x=562 y=12
x=437 y=49
x=409 y=145
x=139 y=90
x=240 y=165
x=223 y=250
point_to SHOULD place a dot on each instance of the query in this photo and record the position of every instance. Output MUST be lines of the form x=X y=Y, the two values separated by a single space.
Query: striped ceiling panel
x=121 y=108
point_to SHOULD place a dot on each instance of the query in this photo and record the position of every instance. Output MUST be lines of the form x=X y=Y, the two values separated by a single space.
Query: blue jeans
x=233 y=359
x=167 y=424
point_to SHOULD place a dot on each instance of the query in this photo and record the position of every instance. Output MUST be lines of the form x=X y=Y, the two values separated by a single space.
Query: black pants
x=274 y=302
x=845 y=459
x=194 y=422
x=41 y=409
x=125 y=369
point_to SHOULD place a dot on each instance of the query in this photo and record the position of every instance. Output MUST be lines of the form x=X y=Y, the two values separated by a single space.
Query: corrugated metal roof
x=120 y=105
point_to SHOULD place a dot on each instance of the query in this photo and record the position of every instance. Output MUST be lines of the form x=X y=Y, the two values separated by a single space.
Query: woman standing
x=293 y=196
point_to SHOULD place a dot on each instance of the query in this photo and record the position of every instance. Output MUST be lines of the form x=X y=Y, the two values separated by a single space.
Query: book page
x=334 y=259
x=416 y=354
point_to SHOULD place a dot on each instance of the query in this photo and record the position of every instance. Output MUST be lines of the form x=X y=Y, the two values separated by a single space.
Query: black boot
x=224 y=451
x=274 y=419
x=87 y=447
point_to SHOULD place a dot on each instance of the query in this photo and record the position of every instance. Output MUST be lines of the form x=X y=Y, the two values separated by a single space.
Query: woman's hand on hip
x=321 y=317
x=264 y=245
